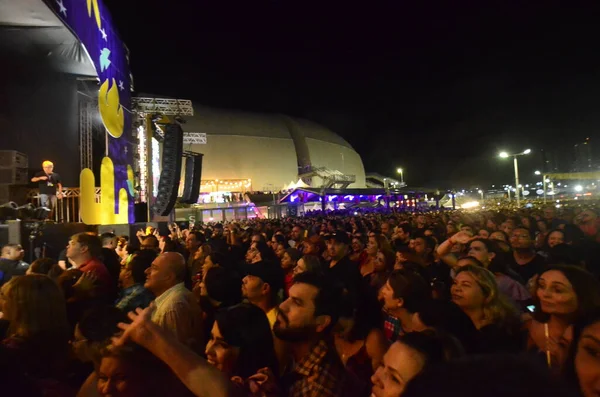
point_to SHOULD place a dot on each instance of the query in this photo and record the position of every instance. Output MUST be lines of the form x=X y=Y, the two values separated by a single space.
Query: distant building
x=583 y=156
x=261 y=152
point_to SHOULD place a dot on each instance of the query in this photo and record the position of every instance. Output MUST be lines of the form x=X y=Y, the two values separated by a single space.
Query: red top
x=98 y=268
x=288 y=281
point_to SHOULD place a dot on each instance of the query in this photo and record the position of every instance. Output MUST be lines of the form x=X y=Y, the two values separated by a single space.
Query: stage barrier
x=67 y=209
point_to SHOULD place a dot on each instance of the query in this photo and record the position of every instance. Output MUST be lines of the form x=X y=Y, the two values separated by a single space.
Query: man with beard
x=305 y=320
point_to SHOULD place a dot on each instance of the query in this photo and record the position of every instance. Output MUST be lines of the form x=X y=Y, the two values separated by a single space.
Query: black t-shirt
x=495 y=339
x=48 y=186
x=535 y=266
x=10 y=268
x=347 y=273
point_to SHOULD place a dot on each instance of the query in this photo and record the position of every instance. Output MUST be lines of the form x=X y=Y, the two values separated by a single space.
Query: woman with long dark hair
x=38 y=333
x=358 y=340
x=563 y=296
x=241 y=342
x=413 y=353
x=582 y=368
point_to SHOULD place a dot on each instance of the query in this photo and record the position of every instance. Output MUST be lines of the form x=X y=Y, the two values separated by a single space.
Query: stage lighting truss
x=166 y=106
x=194 y=138
x=179 y=108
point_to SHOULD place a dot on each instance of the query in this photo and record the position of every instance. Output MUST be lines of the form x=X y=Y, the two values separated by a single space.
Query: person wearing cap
x=341 y=268
x=261 y=287
x=288 y=263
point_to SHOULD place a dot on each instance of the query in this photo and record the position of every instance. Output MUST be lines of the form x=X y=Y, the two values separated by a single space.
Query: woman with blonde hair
x=476 y=292
x=38 y=332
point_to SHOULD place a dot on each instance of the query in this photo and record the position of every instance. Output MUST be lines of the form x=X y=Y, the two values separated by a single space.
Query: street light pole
x=517 y=181
x=514 y=156
x=400 y=171
x=544 y=186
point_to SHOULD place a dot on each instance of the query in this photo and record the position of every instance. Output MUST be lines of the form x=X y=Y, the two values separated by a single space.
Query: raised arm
x=196 y=373
x=444 y=250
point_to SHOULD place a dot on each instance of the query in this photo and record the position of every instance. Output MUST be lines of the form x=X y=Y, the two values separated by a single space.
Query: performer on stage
x=48 y=183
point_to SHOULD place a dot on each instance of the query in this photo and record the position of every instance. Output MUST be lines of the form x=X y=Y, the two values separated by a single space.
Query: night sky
x=437 y=89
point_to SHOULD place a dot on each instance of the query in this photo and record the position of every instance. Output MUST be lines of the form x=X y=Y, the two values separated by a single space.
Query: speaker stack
x=193 y=176
x=14 y=176
x=170 y=175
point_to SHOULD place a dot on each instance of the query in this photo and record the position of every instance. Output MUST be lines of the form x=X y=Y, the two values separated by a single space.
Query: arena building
x=258 y=152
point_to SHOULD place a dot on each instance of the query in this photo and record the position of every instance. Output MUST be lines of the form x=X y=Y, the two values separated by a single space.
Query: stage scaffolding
x=148 y=110
x=86 y=114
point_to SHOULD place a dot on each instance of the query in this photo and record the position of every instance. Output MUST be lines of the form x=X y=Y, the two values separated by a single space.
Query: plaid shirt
x=321 y=373
x=391 y=328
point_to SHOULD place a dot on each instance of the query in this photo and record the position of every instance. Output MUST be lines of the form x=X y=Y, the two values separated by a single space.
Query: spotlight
x=8 y=211
x=41 y=213
x=26 y=211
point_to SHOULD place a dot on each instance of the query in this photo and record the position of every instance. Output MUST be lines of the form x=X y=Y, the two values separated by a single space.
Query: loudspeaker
x=193 y=175
x=170 y=175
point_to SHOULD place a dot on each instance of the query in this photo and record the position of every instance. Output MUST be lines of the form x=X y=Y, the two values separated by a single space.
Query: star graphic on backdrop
x=104 y=59
x=121 y=86
x=104 y=35
x=62 y=8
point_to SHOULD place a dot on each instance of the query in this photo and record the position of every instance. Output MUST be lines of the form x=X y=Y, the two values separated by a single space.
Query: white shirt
x=178 y=312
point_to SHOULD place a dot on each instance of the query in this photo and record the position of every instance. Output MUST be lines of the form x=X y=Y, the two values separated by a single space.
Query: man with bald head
x=176 y=308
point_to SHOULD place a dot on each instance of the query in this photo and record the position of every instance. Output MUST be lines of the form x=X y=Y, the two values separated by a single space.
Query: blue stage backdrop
x=91 y=22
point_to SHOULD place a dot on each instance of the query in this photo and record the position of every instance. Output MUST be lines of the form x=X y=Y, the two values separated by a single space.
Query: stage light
x=155 y=162
x=8 y=211
x=42 y=213
x=470 y=204
x=27 y=212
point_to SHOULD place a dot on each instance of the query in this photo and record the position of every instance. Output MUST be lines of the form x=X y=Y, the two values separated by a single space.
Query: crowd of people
x=485 y=303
